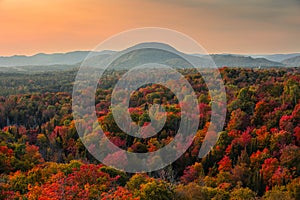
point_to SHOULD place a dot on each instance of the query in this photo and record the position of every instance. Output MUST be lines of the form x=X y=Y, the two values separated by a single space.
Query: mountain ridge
x=293 y=61
x=75 y=58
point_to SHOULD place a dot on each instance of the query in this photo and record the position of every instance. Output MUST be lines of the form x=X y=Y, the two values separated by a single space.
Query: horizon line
x=191 y=53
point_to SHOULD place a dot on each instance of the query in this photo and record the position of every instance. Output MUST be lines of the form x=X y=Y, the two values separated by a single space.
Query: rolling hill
x=243 y=61
x=276 y=57
x=142 y=53
x=69 y=58
x=292 y=62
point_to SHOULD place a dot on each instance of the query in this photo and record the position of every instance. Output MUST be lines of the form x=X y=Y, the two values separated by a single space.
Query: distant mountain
x=243 y=61
x=69 y=58
x=292 y=62
x=140 y=54
x=144 y=53
x=276 y=57
x=159 y=53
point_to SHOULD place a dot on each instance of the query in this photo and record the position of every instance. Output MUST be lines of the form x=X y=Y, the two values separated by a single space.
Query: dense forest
x=256 y=157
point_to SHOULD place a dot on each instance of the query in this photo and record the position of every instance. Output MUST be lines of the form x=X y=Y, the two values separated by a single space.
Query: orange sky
x=232 y=26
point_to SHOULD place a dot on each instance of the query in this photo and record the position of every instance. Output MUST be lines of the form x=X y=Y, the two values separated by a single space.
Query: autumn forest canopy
x=257 y=154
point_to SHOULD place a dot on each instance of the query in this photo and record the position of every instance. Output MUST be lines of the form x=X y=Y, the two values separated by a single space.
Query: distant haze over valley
x=62 y=61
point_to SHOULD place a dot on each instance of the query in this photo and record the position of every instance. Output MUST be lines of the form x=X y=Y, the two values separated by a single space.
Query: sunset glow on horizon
x=29 y=27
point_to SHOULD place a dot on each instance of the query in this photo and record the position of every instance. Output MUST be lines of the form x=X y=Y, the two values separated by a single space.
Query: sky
x=220 y=26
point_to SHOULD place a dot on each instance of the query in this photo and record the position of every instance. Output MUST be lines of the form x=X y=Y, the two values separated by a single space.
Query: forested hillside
x=256 y=156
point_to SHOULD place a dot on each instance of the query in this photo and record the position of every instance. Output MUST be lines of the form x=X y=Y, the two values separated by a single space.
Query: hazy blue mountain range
x=159 y=53
x=292 y=62
x=276 y=57
x=243 y=61
x=142 y=53
x=69 y=58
